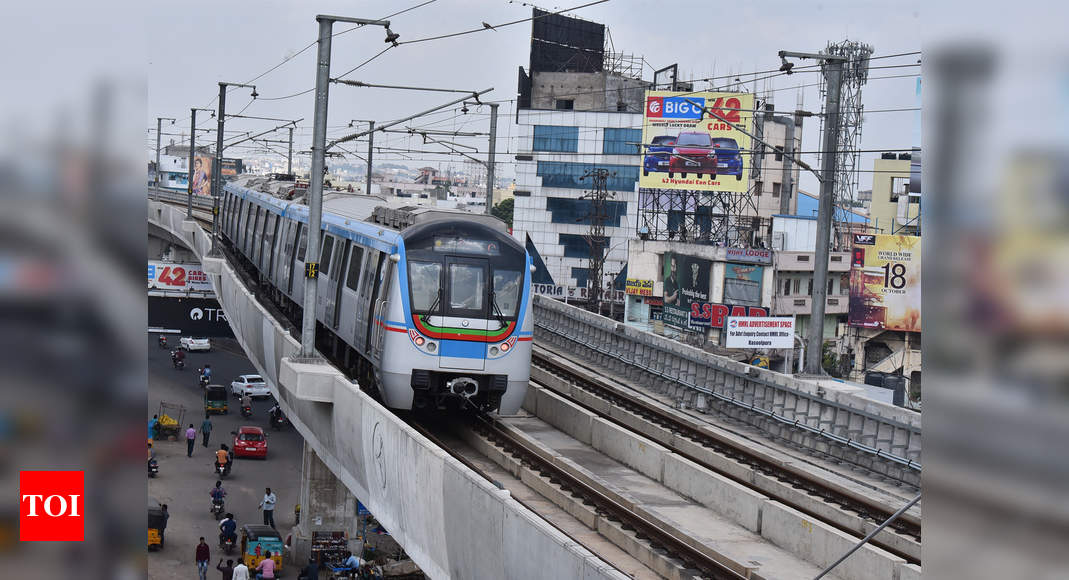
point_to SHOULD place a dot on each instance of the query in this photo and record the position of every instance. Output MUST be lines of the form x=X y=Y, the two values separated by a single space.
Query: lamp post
x=217 y=178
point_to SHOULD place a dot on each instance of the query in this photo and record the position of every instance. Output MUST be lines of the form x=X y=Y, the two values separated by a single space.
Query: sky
x=192 y=46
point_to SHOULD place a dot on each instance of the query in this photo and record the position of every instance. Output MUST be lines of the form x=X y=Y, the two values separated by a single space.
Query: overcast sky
x=194 y=45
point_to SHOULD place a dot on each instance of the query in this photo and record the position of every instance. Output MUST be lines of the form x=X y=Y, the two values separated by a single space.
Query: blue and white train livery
x=429 y=308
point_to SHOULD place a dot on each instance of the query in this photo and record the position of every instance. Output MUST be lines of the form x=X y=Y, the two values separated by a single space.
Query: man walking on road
x=241 y=571
x=206 y=428
x=227 y=571
x=203 y=556
x=191 y=440
x=268 y=505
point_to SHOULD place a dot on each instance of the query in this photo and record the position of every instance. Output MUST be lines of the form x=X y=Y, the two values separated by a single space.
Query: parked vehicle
x=253 y=385
x=191 y=343
x=693 y=153
x=658 y=154
x=153 y=468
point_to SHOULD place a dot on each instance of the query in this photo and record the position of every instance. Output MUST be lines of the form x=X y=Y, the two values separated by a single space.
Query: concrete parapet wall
x=452 y=522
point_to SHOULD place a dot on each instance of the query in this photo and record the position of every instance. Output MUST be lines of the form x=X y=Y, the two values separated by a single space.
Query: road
x=183 y=483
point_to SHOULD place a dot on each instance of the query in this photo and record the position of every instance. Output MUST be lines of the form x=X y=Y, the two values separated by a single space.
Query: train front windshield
x=465 y=274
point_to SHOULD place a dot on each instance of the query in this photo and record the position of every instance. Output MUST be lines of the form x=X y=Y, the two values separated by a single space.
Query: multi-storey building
x=893 y=209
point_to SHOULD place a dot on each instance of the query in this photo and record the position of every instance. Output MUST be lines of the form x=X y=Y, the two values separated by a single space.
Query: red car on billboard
x=250 y=442
x=693 y=153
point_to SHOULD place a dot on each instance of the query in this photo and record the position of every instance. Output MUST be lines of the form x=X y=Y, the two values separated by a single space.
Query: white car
x=253 y=385
x=191 y=343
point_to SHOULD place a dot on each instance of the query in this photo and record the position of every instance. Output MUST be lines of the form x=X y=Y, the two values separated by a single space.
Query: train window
x=424 y=280
x=467 y=286
x=303 y=246
x=328 y=248
x=250 y=229
x=261 y=221
x=353 y=277
x=269 y=239
x=506 y=292
x=240 y=227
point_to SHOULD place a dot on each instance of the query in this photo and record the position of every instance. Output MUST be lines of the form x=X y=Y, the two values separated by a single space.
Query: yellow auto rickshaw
x=256 y=541
x=157 y=522
x=215 y=399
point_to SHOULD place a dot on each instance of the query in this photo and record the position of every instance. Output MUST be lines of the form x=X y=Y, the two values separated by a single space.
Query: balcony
x=802 y=304
x=803 y=261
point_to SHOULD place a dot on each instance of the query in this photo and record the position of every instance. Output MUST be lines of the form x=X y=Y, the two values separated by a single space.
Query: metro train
x=430 y=308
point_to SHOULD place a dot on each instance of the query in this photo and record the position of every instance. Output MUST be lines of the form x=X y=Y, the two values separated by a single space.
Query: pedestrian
x=227 y=571
x=191 y=440
x=166 y=516
x=203 y=556
x=268 y=505
x=206 y=428
x=153 y=426
x=265 y=570
x=241 y=571
x=310 y=571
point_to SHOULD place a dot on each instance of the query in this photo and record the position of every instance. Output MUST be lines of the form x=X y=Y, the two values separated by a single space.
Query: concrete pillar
x=326 y=505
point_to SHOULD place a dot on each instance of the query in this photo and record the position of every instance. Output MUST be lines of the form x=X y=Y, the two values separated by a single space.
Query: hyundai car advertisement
x=692 y=141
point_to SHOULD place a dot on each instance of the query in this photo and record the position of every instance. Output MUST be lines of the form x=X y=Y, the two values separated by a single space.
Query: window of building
x=779 y=153
x=581 y=275
x=564 y=210
x=757 y=187
x=775 y=188
x=622 y=141
x=831 y=284
x=568 y=175
x=787 y=287
x=810 y=292
x=703 y=219
x=576 y=246
x=521 y=193
x=899 y=186
x=797 y=286
x=556 y=138
x=565 y=104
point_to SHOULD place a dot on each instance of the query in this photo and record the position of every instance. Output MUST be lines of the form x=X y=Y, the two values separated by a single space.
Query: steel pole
x=315 y=188
x=833 y=70
x=370 y=144
x=159 y=121
x=217 y=177
x=192 y=148
x=289 y=155
x=490 y=159
x=787 y=178
x=871 y=535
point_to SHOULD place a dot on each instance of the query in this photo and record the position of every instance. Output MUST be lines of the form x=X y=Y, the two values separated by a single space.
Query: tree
x=503 y=210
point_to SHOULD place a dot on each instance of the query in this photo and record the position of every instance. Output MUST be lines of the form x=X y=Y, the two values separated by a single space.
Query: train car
x=429 y=308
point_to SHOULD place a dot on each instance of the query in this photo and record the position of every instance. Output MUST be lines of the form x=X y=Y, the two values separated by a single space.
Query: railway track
x=693 y=561
x=846 y=505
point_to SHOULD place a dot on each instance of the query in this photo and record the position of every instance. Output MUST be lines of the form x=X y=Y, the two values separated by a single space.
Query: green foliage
x=503 y=210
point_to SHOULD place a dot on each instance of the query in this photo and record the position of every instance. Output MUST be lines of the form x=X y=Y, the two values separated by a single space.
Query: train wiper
x=497 y=311
x=437 y=299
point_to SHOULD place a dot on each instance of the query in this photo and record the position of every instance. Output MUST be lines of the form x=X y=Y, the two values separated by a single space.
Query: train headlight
x=432 y=346
x=419 y=340
x=493 y=351
x=505 y=347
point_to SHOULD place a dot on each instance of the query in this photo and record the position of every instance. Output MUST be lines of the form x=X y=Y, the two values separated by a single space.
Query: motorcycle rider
x=217 y=493
x=163 y=341
x=207 y=372
x=276 y=415
x=228 y=529
x=222 y=458
x=178 y=356
x=246 y=402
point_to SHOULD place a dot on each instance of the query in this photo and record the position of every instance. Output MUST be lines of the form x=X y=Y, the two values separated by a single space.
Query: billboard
x=638 y=287
x=171 y=276
x=686 y=147
x=885 y=282
x=742 y=283
x=202 y=175
x=759 y=332
x=230 y=167
x=686 y=282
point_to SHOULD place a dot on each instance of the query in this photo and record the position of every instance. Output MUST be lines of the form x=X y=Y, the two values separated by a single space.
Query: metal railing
x=785 y=406
x=177 y=197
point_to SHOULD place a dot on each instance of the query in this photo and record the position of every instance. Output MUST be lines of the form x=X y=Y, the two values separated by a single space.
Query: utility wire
x=486 y=27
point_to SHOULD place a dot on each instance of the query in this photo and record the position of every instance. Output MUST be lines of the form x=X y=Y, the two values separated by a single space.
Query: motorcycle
x=178 y=363
x=218 y=507
x=203 y=378
x=278 y=421
x=246 y=411
x=163 y=342
x=228 y=546
x=153 y=468
x=222 y=470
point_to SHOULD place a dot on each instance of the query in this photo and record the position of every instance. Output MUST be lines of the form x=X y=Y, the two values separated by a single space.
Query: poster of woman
x=202 y=176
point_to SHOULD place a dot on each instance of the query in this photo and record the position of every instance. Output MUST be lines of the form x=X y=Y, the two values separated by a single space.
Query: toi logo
x=51 y=506
x=196 y=314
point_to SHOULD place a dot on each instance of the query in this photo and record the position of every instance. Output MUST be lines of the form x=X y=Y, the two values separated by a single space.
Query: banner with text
x=686 y=282
x=691 y=141
x=759 y=332
x=171 y=276
x=885 y=282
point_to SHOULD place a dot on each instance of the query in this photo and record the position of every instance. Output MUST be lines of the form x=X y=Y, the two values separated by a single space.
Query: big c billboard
x=692 y=141
x=885 y=282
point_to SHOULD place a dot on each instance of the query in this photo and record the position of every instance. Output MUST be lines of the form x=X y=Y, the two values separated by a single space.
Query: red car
x=693 y=153
x=250 y=442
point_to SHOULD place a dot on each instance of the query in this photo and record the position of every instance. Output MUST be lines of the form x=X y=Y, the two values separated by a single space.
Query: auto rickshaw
x=215 y=399
x=256 y=541
x=157 y=522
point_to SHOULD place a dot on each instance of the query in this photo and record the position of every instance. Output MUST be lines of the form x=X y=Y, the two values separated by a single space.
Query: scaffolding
x=855 y=75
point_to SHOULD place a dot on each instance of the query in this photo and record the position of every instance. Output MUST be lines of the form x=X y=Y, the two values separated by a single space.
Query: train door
x=381 y=301
x=347 y=312
x=375 y=306
x=466 y=295
x=364 y=319
x=297 y=275
x=325 y=295
x=337 y=269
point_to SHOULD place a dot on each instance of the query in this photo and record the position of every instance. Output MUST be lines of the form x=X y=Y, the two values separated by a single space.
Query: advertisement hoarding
x=686 y=281
x=638 y=287
x=759 y=332
x=742 y=283
x=230 y=167
x=885 y=282
x=202 y=175
x=171 y=276
x=687 y=148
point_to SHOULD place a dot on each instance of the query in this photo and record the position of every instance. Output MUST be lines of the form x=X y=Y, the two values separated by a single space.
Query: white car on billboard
x=192 y=343
x=252 y=385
